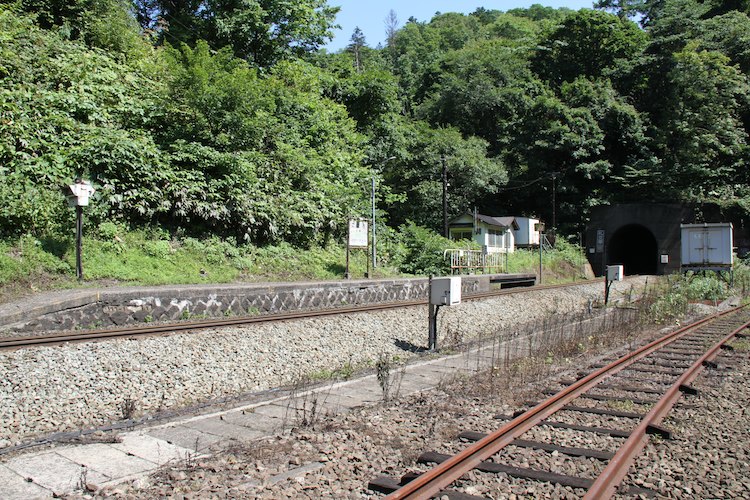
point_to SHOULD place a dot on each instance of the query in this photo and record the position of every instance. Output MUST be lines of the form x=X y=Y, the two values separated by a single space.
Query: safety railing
x=476 y=261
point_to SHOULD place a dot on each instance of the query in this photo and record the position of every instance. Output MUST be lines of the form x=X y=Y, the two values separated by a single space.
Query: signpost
x=357 y=237
x=78 y=195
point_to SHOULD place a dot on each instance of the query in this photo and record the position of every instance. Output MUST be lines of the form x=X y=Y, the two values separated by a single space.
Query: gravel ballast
x=69 y=387
x=707 y=458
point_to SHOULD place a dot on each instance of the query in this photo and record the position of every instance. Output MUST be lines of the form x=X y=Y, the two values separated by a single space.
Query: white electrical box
x=445 y=291
x=615 y=273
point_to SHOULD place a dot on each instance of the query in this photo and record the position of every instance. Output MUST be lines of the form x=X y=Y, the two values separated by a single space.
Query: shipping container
x=706 y=246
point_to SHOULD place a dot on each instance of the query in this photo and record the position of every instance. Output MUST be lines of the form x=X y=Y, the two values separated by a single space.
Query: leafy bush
x=668 y=305
x=158 y=249
x=423 y=251
x=708 y=287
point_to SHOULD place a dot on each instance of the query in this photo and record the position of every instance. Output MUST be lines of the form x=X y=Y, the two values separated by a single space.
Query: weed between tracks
x=527 y=353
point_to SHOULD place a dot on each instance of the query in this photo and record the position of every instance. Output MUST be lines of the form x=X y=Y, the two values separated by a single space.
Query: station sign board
x=358 y=233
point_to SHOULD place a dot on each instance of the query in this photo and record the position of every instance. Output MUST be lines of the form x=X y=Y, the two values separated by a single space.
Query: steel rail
x=136 y=331
x=441 y=476
x=610 y=478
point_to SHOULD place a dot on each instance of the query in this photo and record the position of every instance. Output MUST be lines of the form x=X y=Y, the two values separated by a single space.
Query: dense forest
x=228 y=117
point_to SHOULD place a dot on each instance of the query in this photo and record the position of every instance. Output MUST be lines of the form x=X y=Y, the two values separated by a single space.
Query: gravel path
x=68 y=387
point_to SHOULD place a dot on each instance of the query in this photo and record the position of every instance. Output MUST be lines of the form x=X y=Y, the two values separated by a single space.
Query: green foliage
x=106 y=24
x=261 y=32
x=667 y=307
x=416 y=179
x=585 y=44
x=241 y=143
x=708 y=287
x=565 y=262
x=423 y=251
x=66 y=110
x=233 y=127
x=674 y=294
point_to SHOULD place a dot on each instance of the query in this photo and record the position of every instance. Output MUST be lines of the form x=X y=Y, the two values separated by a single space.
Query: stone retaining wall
x=128 y=306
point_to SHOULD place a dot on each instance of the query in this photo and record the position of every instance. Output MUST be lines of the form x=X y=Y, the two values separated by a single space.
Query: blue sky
x=370 y=16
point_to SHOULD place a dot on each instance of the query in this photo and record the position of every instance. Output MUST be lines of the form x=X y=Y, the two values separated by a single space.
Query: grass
x=30 y=265
x=113 y=255
x=566 y=263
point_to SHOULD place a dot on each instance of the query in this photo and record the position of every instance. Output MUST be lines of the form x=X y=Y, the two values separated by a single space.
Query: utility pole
x=445 y=197
x=372 y=198
x=554 y=204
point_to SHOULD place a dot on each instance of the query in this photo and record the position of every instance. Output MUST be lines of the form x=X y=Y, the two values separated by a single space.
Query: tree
x=483 y=90
x=586 y=44
x=415 y=179
x=730 y=35
x=700 y=130
x=106 y=24
x=259 y=31
x=391 y=26
x=624 y=9
x=243 y=140
x=623 y=149
x=355 y=47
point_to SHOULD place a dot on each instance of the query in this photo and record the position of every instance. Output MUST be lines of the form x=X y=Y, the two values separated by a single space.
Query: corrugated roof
x=502 y=222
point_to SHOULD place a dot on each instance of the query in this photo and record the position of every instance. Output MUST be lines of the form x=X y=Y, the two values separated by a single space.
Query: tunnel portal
x=634 y=246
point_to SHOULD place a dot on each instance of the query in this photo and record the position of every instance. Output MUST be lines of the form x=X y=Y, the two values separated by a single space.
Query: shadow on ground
x=408 y=346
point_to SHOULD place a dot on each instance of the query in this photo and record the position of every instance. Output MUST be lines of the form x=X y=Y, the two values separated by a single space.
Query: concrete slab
x=185 y=437
x=55 y=472
x=301 y=411
x=15 y=487
x=410 y=385
x=297 y=472
x=359 y=394
x=276 y=411
x=226 y=430
x=255 y=421
x=454 y=364
x=430 y=368
x=343 y=401
x=107 y=460
x=150 y=448
x=432 y=377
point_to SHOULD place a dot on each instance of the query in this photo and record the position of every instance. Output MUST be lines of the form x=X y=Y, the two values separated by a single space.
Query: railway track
x=188 y=326
x=620 y=405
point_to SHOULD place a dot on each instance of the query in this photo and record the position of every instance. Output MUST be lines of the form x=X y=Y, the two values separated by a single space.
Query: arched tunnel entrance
x=635 y=248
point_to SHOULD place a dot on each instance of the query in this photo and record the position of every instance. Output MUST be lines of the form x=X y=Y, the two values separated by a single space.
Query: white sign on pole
x=358 y=233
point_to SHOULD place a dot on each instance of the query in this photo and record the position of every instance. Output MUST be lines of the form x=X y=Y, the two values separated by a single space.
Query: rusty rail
x=441 y=476
x=612 y=475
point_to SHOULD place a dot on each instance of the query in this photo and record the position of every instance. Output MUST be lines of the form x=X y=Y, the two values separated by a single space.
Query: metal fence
x=467 y=261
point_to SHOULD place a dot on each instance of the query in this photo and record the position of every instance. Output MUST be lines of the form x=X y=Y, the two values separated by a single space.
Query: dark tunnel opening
x=635 y=248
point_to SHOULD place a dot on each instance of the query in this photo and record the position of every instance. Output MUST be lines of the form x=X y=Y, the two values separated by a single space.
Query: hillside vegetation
x=226 y=122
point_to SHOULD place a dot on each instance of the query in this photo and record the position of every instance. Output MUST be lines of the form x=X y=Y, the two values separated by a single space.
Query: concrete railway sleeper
x=621 y=417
